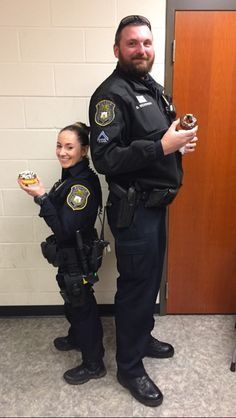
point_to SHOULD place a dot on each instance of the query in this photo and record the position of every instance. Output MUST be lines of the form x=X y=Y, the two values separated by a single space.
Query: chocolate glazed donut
x=188 y=121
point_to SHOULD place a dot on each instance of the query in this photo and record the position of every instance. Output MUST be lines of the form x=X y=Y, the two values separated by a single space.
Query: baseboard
x=51 y=310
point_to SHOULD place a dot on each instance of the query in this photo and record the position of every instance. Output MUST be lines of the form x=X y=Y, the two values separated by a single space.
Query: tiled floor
x=196 y=382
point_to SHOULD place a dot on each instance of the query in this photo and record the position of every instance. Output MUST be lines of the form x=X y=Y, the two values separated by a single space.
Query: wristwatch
x=40 y=199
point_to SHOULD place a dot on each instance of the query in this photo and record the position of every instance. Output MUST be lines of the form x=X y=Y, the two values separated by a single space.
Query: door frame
x=171 y=7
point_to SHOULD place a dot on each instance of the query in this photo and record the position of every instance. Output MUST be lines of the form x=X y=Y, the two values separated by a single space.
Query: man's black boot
x=143 y=389
x=64 y=344
x=83 y=373
x=159 y=349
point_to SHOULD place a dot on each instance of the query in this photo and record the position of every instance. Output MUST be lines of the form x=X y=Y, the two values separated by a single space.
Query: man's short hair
x=135 y=20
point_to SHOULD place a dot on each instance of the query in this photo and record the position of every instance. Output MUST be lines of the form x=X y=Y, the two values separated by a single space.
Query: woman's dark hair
x=81 y=130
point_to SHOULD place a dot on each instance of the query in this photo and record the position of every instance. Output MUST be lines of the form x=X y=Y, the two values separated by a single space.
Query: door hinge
x=166 y=290
x=173 y=51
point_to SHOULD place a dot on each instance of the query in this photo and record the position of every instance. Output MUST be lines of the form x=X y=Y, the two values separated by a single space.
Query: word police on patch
x=105 y=112
x=78 y=197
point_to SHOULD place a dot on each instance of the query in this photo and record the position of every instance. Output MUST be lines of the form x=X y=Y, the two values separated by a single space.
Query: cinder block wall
x=54 y=53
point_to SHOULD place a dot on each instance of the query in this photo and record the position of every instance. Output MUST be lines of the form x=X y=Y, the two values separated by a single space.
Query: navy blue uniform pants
x=140 y=251
x=85 y=327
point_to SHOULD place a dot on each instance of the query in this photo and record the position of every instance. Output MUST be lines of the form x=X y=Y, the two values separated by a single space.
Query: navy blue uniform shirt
x=73 y=204
x=128 y=119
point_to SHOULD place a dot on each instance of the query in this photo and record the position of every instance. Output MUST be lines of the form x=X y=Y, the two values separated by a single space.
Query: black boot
x=65 y=344
x=143 y=389
x=83 y=373
x=159 y=349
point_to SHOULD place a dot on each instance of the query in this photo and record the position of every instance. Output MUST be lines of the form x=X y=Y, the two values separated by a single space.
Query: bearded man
x=135 y=143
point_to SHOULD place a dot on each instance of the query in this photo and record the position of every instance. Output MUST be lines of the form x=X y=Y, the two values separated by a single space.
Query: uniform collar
x=75 y=170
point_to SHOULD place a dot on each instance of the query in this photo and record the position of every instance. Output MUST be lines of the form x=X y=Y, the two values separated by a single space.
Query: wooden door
x=201 y=256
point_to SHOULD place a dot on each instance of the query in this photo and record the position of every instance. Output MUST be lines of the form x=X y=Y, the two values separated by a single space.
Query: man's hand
x=183 y=140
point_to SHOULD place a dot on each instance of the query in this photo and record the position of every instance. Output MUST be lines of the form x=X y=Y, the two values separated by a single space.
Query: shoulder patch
x=105 y=112
x=77 y=199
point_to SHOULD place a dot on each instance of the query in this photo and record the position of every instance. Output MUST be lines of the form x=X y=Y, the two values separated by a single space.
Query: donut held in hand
x=188 y=121
x=28 y=178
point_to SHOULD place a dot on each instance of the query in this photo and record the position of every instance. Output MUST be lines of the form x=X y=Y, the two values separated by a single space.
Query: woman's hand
x=36 y=189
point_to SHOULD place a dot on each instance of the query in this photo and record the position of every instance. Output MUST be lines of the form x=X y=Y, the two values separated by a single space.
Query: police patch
x=78 y=197
x=105 y=112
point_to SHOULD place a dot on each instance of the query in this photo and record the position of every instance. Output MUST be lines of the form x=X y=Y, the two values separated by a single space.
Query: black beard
x=133 y=70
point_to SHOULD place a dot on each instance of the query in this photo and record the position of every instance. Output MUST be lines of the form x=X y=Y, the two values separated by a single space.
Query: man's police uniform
x=128 y=118
x=72 y=205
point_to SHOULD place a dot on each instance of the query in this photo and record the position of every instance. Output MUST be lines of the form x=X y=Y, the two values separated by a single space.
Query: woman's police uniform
x=72 y=205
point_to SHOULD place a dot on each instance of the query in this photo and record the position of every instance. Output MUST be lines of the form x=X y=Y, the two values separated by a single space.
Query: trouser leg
x=85 y=329
x=140 y=251
x=73 y=338
x=86 y=324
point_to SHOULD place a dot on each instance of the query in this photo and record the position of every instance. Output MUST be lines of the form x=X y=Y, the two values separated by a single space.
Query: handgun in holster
x=73 y=278
x=74 y=291
x=127 y=204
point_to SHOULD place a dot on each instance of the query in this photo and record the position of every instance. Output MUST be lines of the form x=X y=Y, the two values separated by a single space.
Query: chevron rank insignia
x=77 y=199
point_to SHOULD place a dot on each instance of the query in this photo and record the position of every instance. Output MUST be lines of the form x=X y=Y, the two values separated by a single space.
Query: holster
x=73 y=289
x=126 y=205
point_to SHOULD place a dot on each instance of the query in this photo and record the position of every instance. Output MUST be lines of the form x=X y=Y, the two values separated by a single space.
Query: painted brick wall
x=54 y=53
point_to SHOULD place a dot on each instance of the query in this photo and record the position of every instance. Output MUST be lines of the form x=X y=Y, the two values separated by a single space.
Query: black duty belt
x=152 y=198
